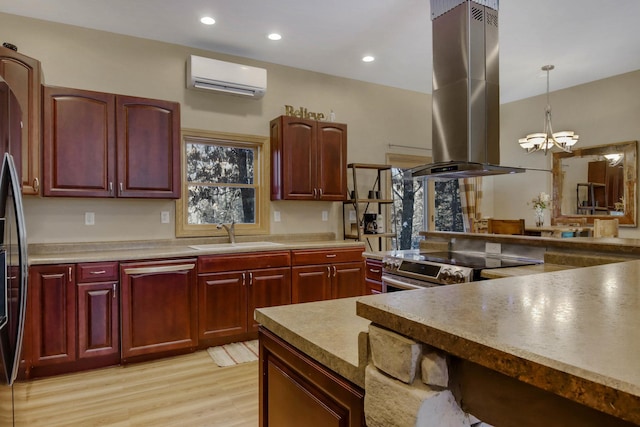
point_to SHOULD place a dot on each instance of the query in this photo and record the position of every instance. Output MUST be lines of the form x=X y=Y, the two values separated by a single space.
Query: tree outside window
x=223 y=183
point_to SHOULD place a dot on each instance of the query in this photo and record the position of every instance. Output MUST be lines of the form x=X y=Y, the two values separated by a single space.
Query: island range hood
x=466 y=91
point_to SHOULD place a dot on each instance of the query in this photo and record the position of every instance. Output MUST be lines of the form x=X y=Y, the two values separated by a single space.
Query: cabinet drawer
x=325 y=256
x=246 y=261
x=97 y=272
x=374 y=270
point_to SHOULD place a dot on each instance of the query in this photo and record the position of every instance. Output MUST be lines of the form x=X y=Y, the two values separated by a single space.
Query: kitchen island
x=556 y=348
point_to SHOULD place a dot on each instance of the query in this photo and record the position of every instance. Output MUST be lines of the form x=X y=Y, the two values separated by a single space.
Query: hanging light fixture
x=547 y=139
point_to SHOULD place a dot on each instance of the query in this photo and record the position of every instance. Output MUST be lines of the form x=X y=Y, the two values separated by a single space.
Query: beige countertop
x=573 y=332
x=498 y=273
x=138 y=251
x=328 y=331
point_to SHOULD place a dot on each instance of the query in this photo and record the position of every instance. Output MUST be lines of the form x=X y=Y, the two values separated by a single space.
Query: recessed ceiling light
x=274 y=36
x=368 y=58
x=207 y=20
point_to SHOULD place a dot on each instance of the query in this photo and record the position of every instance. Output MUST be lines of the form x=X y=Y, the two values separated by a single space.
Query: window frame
x=261 y=174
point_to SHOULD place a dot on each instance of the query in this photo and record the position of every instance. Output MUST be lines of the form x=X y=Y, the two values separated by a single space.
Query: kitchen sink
x=247 y=245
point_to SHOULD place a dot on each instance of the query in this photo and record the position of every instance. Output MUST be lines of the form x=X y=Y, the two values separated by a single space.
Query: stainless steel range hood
x=466 y=92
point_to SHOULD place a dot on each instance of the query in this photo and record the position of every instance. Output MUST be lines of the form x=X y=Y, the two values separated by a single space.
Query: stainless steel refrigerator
x=13 y=251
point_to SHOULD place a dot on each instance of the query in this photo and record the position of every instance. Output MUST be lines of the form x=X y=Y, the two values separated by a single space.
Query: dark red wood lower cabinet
x=295 y=390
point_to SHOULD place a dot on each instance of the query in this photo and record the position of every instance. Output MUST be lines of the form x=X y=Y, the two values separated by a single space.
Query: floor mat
x=234 y=353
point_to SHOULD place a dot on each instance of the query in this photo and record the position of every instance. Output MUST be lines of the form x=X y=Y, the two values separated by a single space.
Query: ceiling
x=586 y=40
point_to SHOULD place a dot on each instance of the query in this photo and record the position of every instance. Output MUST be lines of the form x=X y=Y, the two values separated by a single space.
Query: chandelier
x=547 y=139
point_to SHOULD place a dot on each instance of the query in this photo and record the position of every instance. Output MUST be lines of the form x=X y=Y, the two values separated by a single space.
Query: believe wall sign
x=302 y=113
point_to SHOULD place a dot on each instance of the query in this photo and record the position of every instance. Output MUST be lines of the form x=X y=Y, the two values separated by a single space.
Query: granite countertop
x=498 y=273
x=573 y=332
x=134 y=251
x=327 y=331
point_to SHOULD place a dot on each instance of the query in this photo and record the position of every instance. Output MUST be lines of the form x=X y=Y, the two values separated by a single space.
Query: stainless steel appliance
x=13 y=249
x=466 y=92
x=410 y=270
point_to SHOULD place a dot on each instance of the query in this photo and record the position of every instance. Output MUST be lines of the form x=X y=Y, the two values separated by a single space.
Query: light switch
x=89 y=218
x=325 y=215
x=276 y=216
x=164 y=217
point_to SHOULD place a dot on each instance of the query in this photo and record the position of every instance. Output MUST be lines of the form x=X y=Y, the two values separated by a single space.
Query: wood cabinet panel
x=253 y=261
x=348 y=280
x=322 y=397
x=326 y=256
x=158 y=307
x=310 y=283
x=98 y=320
x=320 y=274
x=222 y=304
x=332 y=161
x=104 y=145
x=308 y=159
x=148 y=130
x=267 y=288
x=78 y=143
x=52 y=296
x=24 y=76
x=373 y=276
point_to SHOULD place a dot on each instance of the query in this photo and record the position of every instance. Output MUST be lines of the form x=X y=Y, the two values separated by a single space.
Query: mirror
x=596 y=182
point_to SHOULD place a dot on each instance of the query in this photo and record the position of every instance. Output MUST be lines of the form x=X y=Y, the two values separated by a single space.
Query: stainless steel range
x=408 y=270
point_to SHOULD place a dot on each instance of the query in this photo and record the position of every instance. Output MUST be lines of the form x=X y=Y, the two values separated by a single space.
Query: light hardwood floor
x=189 y=390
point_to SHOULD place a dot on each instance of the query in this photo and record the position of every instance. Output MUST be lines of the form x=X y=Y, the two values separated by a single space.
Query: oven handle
x=397 y=284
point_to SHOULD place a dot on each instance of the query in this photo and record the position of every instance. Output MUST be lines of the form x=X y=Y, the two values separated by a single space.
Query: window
x=223 y=181
x=408 y=211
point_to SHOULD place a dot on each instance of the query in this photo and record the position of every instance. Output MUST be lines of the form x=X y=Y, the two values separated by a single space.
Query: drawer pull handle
x=163 y=269
x=328 y=272
x=374 y=270
x=36 y=185
x=331 y=255
x=114 y=291
x=335 y=270
x=250 y=279
x=244 y=281
x=98 y=272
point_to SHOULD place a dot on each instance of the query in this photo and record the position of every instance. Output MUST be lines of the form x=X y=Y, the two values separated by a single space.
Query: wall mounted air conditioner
x=226 y=77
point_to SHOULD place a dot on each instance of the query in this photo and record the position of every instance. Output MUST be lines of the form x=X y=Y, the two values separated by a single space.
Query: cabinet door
x=158 y=306
x=148 y=148
x=23 y=74
x=332 y=161
x=311 y=283
x=348 y=280
x=322 y=397
x=267 y=288
x=98 y=320
x=294 y=159
x=52 y=293
x=78 y=143
x=222 y=301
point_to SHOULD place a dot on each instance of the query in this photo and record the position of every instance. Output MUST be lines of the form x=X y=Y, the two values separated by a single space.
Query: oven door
x=395 y=283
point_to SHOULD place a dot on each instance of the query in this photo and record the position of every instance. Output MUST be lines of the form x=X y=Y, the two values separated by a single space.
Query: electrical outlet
x=325 y=215
x=352 y=216
x=89 y=218
x=276 y=216
x=164 y=217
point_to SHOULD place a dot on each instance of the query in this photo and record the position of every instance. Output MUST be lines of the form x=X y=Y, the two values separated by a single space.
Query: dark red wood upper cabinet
x=148 y=148
x=104 y=145
x=308 y=159
x=24 y=76
x=79 y=143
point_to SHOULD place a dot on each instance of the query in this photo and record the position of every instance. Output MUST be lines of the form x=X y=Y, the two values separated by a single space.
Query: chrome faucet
x=231 y=230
